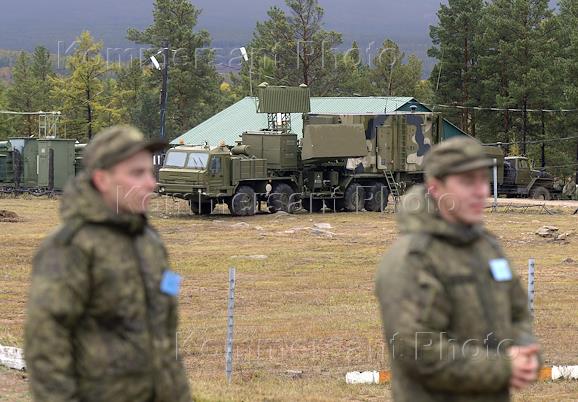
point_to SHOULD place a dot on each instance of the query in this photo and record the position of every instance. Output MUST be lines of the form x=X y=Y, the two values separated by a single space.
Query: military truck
x=343 y=161
x=516 y=178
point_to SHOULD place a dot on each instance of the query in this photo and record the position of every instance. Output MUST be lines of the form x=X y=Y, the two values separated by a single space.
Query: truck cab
x=185 y=171
x=206 y=177
x=522 y=181
x=517 y=171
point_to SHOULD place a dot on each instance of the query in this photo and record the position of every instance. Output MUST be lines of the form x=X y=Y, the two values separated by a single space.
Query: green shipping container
x=56 y=160
x=26 y=161
x=6 y=170
x=280 y=149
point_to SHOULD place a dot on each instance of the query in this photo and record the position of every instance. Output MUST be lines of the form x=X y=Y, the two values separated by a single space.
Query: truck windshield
x=176 y=159
x=198 y=160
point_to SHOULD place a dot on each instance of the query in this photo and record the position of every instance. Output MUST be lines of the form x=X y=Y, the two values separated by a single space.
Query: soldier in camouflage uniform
x=454 y=313
x=102 y=312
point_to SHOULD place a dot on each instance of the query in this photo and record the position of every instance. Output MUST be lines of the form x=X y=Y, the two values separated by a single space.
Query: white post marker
x=565 y=372
x=12 y=358
x=230 y=316
x=531 y=271
x=384 y=376
x=362 y=377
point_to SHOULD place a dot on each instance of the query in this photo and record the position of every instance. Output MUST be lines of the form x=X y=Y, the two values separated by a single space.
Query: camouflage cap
x=115 y=144
x=456 y=155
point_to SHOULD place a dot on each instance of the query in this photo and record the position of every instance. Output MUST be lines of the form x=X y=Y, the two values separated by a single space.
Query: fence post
x=531 y=269
x=230 y=316
x=495 y=171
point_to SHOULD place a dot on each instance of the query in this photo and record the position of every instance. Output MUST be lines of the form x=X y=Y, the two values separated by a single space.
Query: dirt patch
x=9 y=216
x=13 y=386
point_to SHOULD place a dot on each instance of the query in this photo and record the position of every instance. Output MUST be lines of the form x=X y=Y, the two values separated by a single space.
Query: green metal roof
x=242 y=116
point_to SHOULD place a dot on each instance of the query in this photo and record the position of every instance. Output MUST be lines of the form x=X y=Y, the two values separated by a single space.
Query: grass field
x=305 y=311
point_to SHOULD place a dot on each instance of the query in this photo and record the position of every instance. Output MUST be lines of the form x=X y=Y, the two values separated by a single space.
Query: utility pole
x=543 y=149
x=576 y=179
x=543 y=154
x=525 y=128
x=164 y=91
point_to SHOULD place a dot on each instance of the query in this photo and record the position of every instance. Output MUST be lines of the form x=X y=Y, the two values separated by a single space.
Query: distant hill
x=5 y=74
x=7 y=57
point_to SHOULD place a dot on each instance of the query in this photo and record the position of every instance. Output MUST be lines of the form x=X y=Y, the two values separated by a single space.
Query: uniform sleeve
x=181 y=383
x=415 y=327
x=59 y=291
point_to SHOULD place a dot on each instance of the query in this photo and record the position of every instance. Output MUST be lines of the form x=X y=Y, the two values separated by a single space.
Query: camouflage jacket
x=98 y=326
x=447 y=321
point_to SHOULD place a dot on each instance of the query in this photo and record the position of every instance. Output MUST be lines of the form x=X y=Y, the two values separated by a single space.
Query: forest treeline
x=516 y=57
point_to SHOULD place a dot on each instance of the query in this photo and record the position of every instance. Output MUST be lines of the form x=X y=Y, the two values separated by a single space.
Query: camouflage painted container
x=396 y=142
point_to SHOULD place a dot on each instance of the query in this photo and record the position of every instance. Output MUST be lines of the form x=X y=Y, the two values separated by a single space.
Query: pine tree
x=568 y=43
x=298 y=45
x=84 y=95
x=390 y=76
x=21 y=96
x=516 y=39
x=456 y=38
x=5 y=120
x=42 y=73
x=130 y=83
x=137 y=99
x=193 y=90
x=566 y=65
x=353 y=74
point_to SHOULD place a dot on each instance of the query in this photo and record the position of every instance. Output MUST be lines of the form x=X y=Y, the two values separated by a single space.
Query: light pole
x=164 y=95
x=165 y=81
x=246 y=58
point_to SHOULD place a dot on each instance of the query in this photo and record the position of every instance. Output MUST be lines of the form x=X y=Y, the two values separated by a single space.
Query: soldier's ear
x=435 y=187
x=101 y=180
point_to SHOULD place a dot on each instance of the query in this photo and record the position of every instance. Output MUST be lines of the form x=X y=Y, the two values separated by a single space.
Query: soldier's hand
x=524 y=365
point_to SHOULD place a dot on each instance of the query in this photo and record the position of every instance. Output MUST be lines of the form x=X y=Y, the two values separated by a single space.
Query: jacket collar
x=82 y=202
x=419 y=214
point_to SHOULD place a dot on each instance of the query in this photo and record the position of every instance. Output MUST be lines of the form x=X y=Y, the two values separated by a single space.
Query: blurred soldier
x=454 y=312
x=102 y=313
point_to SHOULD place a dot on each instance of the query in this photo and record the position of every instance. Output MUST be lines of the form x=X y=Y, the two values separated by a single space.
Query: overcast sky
x=26 y=23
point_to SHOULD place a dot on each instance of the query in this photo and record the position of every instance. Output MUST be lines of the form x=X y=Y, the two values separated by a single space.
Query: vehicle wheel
x=354 y=197
x=540 y=193
x=243 y=202
x=311 y=205
x=205 y=208
x=375 y=195
x=282 y=199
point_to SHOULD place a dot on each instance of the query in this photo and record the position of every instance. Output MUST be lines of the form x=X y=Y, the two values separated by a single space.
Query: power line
x=534 y=142
x=561 y=166
x=497 y=109
x=41 y=113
